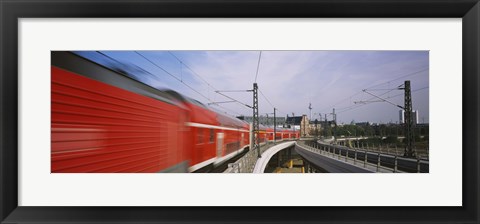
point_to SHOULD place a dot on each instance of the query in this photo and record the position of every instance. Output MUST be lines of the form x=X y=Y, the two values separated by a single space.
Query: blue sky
x=289 y=80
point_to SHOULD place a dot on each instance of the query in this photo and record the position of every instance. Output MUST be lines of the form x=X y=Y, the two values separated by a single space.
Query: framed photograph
x=124 y=111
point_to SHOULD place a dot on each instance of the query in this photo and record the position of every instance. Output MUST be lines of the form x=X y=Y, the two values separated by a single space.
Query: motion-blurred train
x=105 y=121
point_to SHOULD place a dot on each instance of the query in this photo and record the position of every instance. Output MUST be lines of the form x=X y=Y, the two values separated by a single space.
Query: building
x=297 y=120
x=301 y=123
x=305 y=126
x=315 y=127
x=293 y=122
x=263 y=120
x=401 y=118
x=363 y=124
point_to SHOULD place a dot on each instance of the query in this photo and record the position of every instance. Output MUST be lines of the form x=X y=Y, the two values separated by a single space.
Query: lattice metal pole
x=256 y=126
x=409 y=135
x=335 y=127
x=274 y=125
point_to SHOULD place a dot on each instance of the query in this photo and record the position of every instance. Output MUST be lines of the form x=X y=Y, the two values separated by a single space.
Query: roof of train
x=228 y=121
x=223 y=119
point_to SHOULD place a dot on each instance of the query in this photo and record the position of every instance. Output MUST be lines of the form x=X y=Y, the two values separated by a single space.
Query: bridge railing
x=386 y=148
x=377 y=161
x=244 y=164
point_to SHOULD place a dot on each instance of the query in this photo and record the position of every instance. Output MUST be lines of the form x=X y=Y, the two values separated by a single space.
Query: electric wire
x=360 y=105
x=187 y=66
x=266 y=98
x=258 y=65
x=215 y=89
x=164 y=70
x=359 y=92
x=156 y=65
x=403 y=76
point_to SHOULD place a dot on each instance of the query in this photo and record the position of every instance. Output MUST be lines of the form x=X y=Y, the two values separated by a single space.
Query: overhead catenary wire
x=121 y=63
x=167 y=72
x=156 y=65
x=400 y=94
x=215 y=90
x=398 y=78
x=189 y=68
x=258 y=65
x=341 y=110
x=384 y=100
x=360 y=105
x=266 y=98
x=227 y=109
x=376 y=85
x=234 y=99
x=226 y=91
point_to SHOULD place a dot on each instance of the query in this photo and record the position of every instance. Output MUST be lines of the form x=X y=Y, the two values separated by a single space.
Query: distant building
x=401 y=118
x=415 y=116
x=305 y=126
x=294 y=120
x=263 y=120
x=363 y=124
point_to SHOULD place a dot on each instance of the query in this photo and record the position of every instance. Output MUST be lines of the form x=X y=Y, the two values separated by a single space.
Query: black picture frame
x=11 y=11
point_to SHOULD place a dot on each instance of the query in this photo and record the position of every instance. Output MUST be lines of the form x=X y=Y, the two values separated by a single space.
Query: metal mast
x=408 y=125
x=335 y=127
x=325 y=129
x=310 y=108
x=409 y=135
x=274 y=125
x=256 y=126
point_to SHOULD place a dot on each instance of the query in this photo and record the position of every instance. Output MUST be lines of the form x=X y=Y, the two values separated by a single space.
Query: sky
x=349 y=81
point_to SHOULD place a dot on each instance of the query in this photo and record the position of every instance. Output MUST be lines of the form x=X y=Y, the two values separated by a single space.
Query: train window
x=200 y=136
x=212 y=135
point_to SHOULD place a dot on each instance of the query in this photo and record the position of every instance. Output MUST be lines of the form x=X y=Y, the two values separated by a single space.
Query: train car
x=278 y=135
x=296 y=134
x=235 y=138
x=262 y=134
x=286 y=134
x=269 y=136
x=103 y=121
x=214 y=137
x=202 y=132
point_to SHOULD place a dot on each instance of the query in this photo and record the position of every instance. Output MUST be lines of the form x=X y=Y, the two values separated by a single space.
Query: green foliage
x=391 y=139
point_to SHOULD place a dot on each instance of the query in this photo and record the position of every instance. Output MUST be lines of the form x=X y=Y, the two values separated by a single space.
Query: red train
x=105 y=121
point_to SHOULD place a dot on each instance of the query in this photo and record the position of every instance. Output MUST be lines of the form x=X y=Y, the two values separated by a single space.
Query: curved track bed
x=328 y=164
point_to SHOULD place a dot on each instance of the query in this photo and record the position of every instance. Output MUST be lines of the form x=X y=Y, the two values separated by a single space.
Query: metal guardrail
x=361 y=157
x=379 y=147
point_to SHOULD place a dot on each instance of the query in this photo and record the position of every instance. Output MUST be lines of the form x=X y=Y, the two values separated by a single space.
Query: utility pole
x=408 y=124
x=409 y=135
x=326 y=124
x=304 y=128
x=274 y=125
x=320 y=120
x=335 y=127
x=256 y=126
x=293 y=117
x=310 y=108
